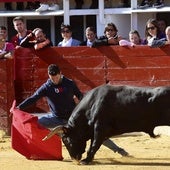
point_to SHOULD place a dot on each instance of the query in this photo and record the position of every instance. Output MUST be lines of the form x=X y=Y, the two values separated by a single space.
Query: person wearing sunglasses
x=68 y=41
x=110 y=36
x=154 y=37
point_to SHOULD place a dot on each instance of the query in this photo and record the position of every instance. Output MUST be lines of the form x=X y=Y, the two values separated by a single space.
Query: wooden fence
x=89 y=67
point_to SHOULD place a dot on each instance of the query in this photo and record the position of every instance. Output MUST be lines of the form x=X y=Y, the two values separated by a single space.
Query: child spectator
x=90 y=37
x=134 y=39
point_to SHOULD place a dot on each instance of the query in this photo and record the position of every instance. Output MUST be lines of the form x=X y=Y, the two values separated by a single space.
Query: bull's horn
x=57 y=130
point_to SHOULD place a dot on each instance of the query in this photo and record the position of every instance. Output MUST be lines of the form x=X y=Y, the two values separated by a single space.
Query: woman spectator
x=68 y=41
x=153 y=34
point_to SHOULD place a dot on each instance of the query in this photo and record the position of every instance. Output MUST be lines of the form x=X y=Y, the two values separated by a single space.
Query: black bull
x=112 y=110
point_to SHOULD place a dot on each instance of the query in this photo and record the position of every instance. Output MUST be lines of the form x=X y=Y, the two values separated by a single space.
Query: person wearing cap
x=62 y=95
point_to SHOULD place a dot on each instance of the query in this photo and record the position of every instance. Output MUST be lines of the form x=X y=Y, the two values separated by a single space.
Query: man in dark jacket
x=62 y=96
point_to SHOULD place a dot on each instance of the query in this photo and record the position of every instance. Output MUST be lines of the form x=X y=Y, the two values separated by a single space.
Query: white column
x=101 y=12
x=66 y=8
x=134 y=4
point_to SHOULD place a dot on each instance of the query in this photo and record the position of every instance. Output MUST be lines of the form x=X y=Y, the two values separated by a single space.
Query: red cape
x=27 y=137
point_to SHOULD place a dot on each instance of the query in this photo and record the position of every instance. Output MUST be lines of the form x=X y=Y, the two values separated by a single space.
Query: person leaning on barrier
x=21 y=29
x=134 y=39
x=110 y=36
x=36 y=39
x=153 y=34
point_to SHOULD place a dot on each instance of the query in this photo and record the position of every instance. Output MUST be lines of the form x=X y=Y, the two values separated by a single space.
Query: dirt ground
x=146 y=153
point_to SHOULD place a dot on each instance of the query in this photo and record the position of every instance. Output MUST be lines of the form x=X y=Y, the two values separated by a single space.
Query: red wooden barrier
x=90 y=67
x=6 y=93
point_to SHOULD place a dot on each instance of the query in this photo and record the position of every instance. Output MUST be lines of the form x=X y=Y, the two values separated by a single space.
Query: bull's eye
x=67 y=141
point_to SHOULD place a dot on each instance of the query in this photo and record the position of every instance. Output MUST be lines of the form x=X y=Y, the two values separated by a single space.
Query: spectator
x=167 y=31
x=40 y=41
x=110 y=37
x=68 y=41
x=90 y=37
x=6 y=48
x=162 y=26
x=3 y=31
x=22 y=31
x=153 y=34
x=134 y=39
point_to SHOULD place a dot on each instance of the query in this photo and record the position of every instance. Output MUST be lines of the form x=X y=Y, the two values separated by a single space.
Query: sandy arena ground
x=147 y=154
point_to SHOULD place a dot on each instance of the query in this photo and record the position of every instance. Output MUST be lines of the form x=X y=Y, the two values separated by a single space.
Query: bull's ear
x=59 y=130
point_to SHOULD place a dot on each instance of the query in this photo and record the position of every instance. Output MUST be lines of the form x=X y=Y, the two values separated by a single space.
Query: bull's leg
x=94 y=146
x=96 y=142
x=111 y=145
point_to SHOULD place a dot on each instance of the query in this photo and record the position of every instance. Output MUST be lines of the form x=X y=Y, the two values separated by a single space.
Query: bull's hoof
x=84 y=162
